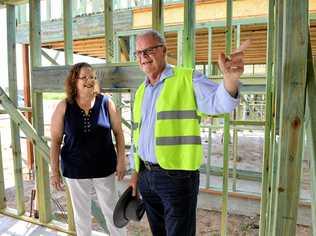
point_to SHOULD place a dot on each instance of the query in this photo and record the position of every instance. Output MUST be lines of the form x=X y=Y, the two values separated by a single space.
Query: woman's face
x=86 y=80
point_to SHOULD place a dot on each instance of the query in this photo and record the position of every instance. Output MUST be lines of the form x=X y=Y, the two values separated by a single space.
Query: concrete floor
x=10 y=226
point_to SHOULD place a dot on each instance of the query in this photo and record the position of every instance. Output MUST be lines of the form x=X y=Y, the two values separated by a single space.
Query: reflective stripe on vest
x=164 y=115
x=180 y=140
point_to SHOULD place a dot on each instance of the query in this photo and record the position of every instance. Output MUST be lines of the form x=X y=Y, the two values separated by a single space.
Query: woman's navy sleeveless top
x=88 y=150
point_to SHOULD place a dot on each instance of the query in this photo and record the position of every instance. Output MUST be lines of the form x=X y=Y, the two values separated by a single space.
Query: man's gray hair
x=155 y=34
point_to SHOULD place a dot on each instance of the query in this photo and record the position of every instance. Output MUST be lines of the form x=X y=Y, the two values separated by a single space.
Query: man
x=167 y=146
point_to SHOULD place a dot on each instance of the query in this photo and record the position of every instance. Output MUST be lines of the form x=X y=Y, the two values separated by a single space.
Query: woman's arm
x=115 y=119
x=56 y=130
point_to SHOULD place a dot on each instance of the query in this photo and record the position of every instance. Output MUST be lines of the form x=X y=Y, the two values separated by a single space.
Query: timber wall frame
x=290 y=71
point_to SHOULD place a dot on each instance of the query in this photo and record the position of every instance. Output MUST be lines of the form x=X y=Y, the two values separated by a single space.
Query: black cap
x=128 y=208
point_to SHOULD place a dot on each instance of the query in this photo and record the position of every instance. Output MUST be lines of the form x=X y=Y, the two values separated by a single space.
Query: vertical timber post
x=15 y=131
x=294 y=66
x=42 y=170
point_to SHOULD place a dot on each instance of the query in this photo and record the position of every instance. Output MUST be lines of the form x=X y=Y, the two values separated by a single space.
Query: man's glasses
x=147 y=51
x=87 y=77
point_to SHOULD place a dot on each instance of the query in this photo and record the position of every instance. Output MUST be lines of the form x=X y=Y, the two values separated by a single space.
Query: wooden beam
x=276 y=94
x=48 y=57
x=42 y=170
x=179 y=48
x=189 y=34
x=311 y=128
x=266 y=168
x=294 y=64
x=108 y=24
x=2 y=184
x=15 y=131
x=67 y=19
x=209 y=51
x=114 y=75
x=157 y=16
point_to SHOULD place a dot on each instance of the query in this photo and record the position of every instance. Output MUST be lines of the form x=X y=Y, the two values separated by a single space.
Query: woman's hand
x=120 y=169
x=56 y=182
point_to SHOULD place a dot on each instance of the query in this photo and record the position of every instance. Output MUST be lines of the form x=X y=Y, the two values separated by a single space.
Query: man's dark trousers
x=170 y=198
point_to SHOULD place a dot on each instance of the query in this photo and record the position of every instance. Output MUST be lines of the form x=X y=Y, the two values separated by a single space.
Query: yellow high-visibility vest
x=177 y=127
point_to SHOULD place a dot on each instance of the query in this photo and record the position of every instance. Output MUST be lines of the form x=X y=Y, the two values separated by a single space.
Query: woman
x=83 y=122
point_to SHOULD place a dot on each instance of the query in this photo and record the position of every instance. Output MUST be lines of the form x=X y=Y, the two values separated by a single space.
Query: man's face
x=150 y=55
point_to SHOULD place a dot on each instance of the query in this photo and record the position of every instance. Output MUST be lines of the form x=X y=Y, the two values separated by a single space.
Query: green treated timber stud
x=247 y=122
x=180 y=47
x=209 y=155
x=209 y=52
x=132 y=45
x=2 y=184
x=235 y=157
x=108 y=24
x=189 y=34
x=67 y=20
x=157 y=16
x=68 y=48
x=268 y=120
x=117 y=51
x=311 y=130
x=42 y=170
x=15 y=132
x=228 y=30
x=276 y=86
x=225 y=177
x=48 y=10
x=49 y=58
x=294 y=64
x=229 y=13
x=240 y=174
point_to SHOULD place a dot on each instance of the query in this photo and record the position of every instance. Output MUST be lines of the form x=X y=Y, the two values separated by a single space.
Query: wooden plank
x=51 y=78
x=225 y=176
x=228 y=40
x=179 y=48
x=68 y=48
x=15 y=131
x=132 y=45
x=108 y=24
x=189 y=34
x=42 y=171
x=2 y=184
x=266 y=168
x=276 y=88
x=67 y=20
x=157 y=16
x=209 y=51
x=311 y=128
x=49 y=58
x=294 y=64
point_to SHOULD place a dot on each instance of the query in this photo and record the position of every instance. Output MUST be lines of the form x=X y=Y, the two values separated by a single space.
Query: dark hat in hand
x=128 y=208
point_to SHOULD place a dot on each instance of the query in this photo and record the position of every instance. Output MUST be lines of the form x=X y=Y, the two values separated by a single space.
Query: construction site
x=258 y=174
